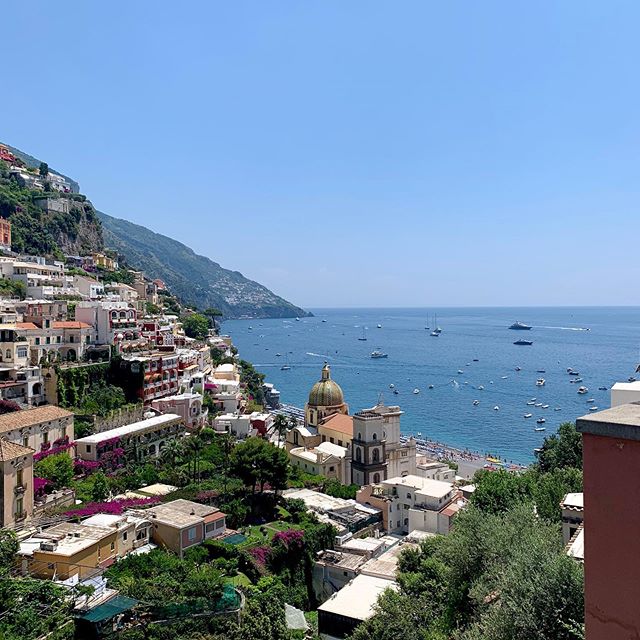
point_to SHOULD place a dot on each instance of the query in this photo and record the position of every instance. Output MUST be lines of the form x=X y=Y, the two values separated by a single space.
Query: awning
x=111 y=608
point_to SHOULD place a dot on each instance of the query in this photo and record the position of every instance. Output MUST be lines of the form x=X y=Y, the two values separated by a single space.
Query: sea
x=473 y=358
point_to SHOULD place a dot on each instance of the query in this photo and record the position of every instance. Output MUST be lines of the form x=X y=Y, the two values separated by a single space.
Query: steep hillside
x=76 y=230
x=193 y=278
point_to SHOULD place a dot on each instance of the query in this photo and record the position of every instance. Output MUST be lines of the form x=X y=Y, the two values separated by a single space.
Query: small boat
x=538 y=404
x=520 y=326
x=558 y=409
x=503 y=377
x=518 y=369
x=395 y=392
x=476 y=403
x=416 y=391
x=523 y=343
x=285 y=367
x=540 y=420
x=530 y=403
x=631 y=379
x=480 y=388
x=297 y=319
x=540 y=382
x=591 y=400
x=540 y=429
x=603 y=388
x=468 y=364
x=250 y=328
x=527 y=415
x=379 y=326
x=571 y=372
x=541 y=371
x=569 y=369
x=420 y=433
x=582 y=390
x=460 y=371
x=496 y=408
x=476 y=360
x=434 y=334
x=323 y=320
x=533 y=399
x=363 y=337
x=278 y=355
x=430 y=386
x=466 y=382
x=378 y=354
x=577 y=380
x=593 y=408
x=392 y=386
x=545 y=406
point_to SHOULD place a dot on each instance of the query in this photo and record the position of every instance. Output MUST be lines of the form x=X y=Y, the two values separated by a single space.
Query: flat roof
x=74 y=537
x=357 y=598
x=622 y=422
x=319 y=501
x=424 y=486
x=332 y=449
x=386 y=564
x=179 y=513
x=128 y=429
x=573 y=501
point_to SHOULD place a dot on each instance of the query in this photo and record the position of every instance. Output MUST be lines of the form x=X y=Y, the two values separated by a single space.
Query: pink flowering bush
x=291 y=538
x=115 y=507
x=260 y=554
x=50 y=451
x=40 y=486
x=85 y=466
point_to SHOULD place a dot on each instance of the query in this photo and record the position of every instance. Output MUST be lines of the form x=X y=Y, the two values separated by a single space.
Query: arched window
x=376 y=479
x=375 y=437
x=376 y=455
x=358 y=454
x=359 y=435
x=8 y=354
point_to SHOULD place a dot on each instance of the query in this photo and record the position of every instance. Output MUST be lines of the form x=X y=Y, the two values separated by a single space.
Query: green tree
x=100 y=489
x=43 y=170
x=8 y=550
x=257 y=462
x=561 y=450
x=196 y=326
x=57 y=468
x=550 y=488
x=499 y=491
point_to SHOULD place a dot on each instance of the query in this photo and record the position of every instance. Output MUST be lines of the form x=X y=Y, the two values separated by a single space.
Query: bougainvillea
x=115 y=507
x=40 y=486
x=206 y=496
x=260 y=554
x=52 y=451
x=85 y=466
x=291 y=538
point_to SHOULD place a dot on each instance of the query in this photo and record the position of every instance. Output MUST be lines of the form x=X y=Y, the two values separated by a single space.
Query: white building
x=625 y=393
x=88 y=287
x=109 y=319
x=325 y=459
x=572 y=507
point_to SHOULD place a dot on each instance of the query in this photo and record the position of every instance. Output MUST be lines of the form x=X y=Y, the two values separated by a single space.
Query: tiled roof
x=71 y=324
x=21 y=419
x=11 y=450
x=25 y=325
x=339 y=422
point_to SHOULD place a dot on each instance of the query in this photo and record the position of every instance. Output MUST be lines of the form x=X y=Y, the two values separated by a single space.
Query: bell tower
x=368 y=449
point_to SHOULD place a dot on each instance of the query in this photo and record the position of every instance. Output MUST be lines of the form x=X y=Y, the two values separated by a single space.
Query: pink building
x=187 y=405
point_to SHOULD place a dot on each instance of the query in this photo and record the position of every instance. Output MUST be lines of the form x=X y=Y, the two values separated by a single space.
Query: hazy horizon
x=351 y=153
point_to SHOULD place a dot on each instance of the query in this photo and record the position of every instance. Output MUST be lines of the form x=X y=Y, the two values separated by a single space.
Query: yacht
x=520 y=326
x=540 y=382
x=496 y=408
x=527 y=415
x=540 y=420
x=379 y=326
x=476 y=403
x=538 y=404
x=545 y=406
x=435 y=334
x=518 y=369
x=416 y=390
x=582 y=390
x=525 y=343
x=378 y=354
x=480 y=388
x=531 y=403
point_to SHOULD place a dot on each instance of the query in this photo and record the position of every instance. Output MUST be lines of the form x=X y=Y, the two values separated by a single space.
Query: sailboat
x=286 y=366
x=363 y=338
x=437 y=329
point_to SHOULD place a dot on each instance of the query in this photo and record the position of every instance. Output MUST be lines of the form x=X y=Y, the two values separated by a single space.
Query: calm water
x=607 y=353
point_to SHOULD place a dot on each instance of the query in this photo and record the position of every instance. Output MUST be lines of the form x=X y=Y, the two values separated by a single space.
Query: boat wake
x=318 y=355
x=565 y=328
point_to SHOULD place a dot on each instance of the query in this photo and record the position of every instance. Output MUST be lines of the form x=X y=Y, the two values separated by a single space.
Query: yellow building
x=16 y=483
x=325 y=399
x=104 y=261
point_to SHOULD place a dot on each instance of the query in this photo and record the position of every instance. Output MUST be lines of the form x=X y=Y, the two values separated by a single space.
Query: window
x=19 y=506
x=25 y=441
x=72 y=338
x=113 y=546
x=19 y=477
x=408 y=496
x=88 y=448
x=376 y=478
x=406 y=521
x=331 y=440
x=358 y=454
x=359 y=436
x=344 y=573
x=37 y=340
x=192 y=534
x=332 y=468
x=8 y=354
x=376 y=455
x=398 y=524
x=124 y=536
x=59 y=339
x=22 y=352
x=339 y=443
x=375 y=436
x=45 y=436
x=48 y=340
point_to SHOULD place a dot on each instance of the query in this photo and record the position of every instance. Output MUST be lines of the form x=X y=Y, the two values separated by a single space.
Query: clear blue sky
x=351 y=153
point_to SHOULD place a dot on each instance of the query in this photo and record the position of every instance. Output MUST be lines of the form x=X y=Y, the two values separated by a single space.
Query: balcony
x=19 y=489
x=19 y=517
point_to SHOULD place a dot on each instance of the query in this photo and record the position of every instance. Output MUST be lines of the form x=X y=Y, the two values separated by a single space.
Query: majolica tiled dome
x=326 y=393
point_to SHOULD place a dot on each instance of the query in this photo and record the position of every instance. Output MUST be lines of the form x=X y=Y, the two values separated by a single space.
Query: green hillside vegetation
x=35 y=231
x=195 y=279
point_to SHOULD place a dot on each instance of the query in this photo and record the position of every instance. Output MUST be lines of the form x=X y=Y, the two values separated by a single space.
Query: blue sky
x=351 y=153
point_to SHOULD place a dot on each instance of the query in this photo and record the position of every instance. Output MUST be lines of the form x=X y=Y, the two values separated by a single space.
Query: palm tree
x=281 y=425
x=195 y=447
x=171 y=452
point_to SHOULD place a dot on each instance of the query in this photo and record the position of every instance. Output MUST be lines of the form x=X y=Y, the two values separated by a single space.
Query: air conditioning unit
x=340 y=540
x=48 y=545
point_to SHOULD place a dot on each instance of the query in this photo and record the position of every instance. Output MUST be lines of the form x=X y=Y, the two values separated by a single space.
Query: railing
x=19 y=489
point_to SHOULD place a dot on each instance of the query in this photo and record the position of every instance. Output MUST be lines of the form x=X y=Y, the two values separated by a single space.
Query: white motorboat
x=285 y=367
x=476 y=403
x=527 y=415
x=540 y=420
x=583 y=390
x=391 y=386
x=460 y=372
x=540 y=382
x=480 y=388
x=378 y=354
x=591 y=400
x=558 y=409
x=545 y=406
x=530 y=403
x=593 y=408
x=416 y=391
x=379 y=326
x=540 y=429
x=496 y=408
x=538 y=404
x=430 y=386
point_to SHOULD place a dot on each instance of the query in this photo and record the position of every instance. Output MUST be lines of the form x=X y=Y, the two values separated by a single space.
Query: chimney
x=611 y=462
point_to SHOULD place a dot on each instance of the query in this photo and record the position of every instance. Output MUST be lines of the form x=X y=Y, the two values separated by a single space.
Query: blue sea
x=601 y=343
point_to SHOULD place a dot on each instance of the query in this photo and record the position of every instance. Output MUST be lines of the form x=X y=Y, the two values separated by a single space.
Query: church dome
x=326 y=392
